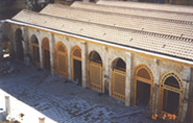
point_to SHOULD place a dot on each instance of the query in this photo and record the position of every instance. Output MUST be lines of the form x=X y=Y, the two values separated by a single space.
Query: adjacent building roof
x=164 y=44
x=134 y=11
x=156 y=25
x=150 y=6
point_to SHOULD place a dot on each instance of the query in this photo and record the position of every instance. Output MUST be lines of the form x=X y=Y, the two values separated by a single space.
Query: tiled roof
x=160 y=26
x=168 y=45
x=134 y=11
x=151 y=6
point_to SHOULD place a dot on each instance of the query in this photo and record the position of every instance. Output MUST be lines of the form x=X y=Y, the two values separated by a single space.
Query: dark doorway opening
x=36 y=56
x=47 y=59
x=19 y=45
x=171 y=102
x=143 y=94
x=78 y=71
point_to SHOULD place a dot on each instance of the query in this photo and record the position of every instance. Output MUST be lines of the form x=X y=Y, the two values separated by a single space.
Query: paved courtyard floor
x=64 y=101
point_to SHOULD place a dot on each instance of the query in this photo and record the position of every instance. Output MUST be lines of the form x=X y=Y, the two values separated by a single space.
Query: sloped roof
x=156 y=25
x=150 y=6
x=168 y=45
x=134 y=11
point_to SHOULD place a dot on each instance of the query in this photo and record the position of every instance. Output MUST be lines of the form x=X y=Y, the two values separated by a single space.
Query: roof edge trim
x=106 y=43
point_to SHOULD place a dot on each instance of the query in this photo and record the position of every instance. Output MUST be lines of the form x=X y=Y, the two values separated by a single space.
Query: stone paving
x=64 y=101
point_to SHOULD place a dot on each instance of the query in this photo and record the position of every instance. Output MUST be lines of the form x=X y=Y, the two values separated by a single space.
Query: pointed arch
x=46 y=53
x=118 y=79
x=170 y=91
x=61 y=59
x=95 y=71
x=76 y=64
x=35 y=50
x=76 y=52
x=143 y=86
x=95 y=57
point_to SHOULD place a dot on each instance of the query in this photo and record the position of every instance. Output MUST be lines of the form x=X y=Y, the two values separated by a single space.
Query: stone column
x=52 y=54
x=104 y=69
x=107 y=73
x=155 y=95
x=7 y=105
x=186 y=84
x=25 y=44
x=128 y=79
x=190 y=101
x=84 y=64
x=40 y=50
x=69 y=59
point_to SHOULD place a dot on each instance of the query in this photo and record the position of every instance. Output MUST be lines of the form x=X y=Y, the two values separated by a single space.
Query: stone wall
x=108 y=54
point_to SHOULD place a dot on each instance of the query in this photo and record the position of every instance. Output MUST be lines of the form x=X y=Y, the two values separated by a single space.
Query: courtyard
x=64 y=101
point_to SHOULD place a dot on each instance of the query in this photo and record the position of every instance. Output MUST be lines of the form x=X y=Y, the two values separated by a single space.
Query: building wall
x=177 y=2
x=108 y=54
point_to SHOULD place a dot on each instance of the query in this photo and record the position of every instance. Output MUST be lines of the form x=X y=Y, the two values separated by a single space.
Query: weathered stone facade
x=123 y=73
x=108 y=54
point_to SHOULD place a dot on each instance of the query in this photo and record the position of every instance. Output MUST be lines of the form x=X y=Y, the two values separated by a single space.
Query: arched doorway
x=46 y=53
x=19 y=45
x=95 y=71
x=61 y=59
x=35 y=51
x=143 y=87
x=170 y=94
x=76 y=64
x=118 y=79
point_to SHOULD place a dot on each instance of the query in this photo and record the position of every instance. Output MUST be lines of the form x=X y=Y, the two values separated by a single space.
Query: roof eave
x=187 y=62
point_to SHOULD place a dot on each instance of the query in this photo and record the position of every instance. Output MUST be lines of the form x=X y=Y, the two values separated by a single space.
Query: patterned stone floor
x=64 y=101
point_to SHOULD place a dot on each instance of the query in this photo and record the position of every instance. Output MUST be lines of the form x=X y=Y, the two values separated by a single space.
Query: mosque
x=139 y=53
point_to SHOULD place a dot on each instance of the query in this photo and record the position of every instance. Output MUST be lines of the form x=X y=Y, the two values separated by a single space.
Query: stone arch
x=170 y=90
x=95 y=57
x=61 y=59
x=143 y=87
x=76 y=64
x=46 y=53
x=35 y=50
x=95 y=71
x=19 y=44
x=118 y=79
x=119 y=64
